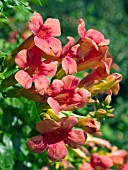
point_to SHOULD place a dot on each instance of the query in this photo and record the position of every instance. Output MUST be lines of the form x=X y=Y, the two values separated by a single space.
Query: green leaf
x=2 y=54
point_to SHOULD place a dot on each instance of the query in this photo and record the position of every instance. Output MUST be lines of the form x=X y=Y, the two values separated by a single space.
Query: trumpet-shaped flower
x=97 y=38
x=44 y=33
x=64 y=94
x=54 y=136
x=92 y=47
x=103 y=162
x=33 y=69
x=102 y=71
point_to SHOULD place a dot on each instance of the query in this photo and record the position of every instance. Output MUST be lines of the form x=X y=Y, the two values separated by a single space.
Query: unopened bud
x=90 y=125
x=100 y=113
x=111 y=81
x=108 y=99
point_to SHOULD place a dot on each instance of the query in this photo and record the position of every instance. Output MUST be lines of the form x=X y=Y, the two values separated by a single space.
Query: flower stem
x=52 y=114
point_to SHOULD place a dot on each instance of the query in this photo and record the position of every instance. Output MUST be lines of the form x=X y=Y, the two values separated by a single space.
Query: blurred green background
x=18 y=117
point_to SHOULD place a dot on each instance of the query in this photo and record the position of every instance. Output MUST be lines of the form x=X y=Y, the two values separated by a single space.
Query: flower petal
x=76 y=138
x=101 y=161
x=47 y=126
x=70 y=82
x=81 y=98
x=69 y=65
x=68 y=46
x=49 y=68
x=42 y=44
x=21 y=59
x=97 y=37
x=92 y=58
x=101 y=72
x=67 y=123
x=86 y=166
x=85 y=47
x=55 y=44
x=81 y=29
x=37 y=144
x=57 y=152
x=34 y=56
x=54 y=26
x=41 y=84
x=24 y=79
x=35 y=22
x=54 y=105
x=55 y=88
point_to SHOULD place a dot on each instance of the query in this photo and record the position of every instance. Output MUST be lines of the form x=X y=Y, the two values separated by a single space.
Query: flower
x=125 y=167
x=33 y=69
x=64 y=94
x=54 y=136
x=86 y=166
x=102 y=162
x=44 y=33
x=118 y=157
x=102 y=71
x=92 y=34
x=92 y=47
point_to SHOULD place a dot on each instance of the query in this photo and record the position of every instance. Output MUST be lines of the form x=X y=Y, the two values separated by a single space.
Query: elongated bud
x=106 y=84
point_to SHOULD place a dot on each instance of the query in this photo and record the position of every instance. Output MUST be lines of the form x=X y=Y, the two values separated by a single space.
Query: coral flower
x=33 y=69
x=44 y=33
x=65 y=95
x=54 y=136
x=86 y=166
x=97 y=38
x=103 y=162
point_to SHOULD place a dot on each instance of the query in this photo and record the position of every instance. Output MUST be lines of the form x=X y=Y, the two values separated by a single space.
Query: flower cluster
x=47 y=74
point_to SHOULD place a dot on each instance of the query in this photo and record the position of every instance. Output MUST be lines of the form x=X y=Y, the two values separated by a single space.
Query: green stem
x=52 y=114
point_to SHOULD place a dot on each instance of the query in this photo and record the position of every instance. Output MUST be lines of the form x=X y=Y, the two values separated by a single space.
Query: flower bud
x=90 y=125
x=100 y=113
x=108 y=99
x=109 y=82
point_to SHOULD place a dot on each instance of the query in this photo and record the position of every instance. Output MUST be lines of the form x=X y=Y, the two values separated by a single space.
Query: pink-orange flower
x=97 y=38
x=64 y=94
x=86 y=166
x=54 y=136
x=93 y=47
x=103 y=162
x=44 y=33
x=33 y=69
